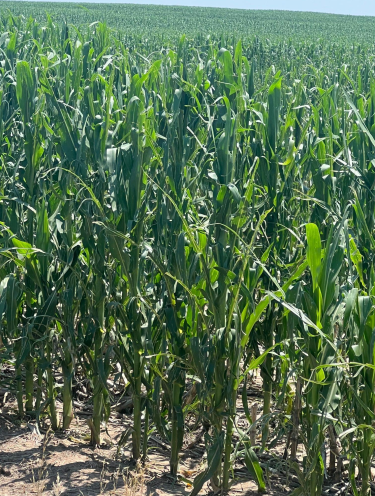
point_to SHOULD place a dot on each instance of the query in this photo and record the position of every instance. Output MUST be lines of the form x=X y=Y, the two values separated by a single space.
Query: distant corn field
x=179 y=211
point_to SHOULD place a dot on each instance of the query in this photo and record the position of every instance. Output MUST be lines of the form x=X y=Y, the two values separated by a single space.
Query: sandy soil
x=64 y=463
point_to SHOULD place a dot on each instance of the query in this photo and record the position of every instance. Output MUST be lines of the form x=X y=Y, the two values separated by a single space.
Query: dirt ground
x=44 y=462
x=65 y=464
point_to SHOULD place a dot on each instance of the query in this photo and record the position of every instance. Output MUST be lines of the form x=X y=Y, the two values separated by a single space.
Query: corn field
x=176 y=217
x=155 y=25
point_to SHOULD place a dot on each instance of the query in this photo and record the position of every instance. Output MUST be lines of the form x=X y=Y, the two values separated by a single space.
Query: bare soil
x=44 y=462
x=65 y=464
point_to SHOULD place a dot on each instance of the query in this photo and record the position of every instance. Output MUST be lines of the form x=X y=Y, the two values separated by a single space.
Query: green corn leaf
x=252 y=464
x=25 y=90
x=12 y=295
x=213 y=460
x=274 y=106
x=314 y=252
x=356 y=258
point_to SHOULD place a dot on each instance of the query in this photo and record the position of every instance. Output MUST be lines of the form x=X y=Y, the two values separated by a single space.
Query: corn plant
x=179 y=210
